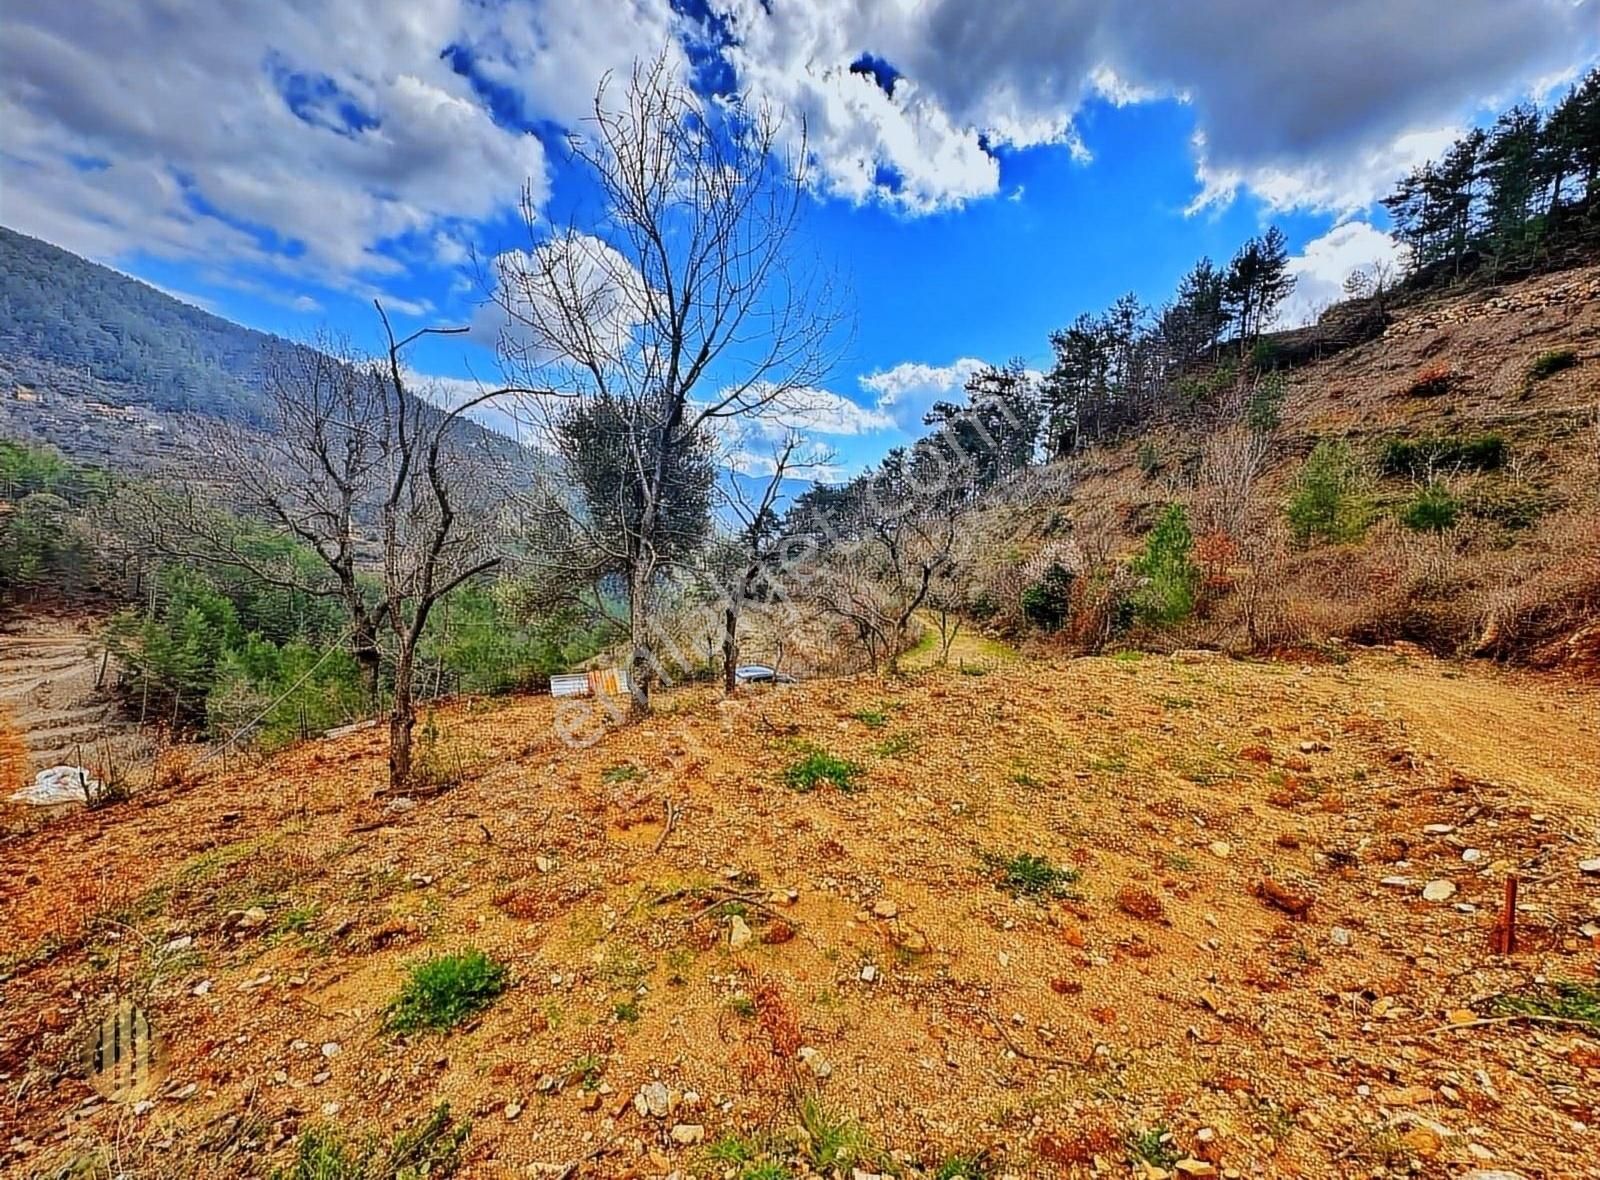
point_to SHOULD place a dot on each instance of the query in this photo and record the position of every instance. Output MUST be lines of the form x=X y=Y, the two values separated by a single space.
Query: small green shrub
x=816 y=767
x=1148 y=458
x=833 y=1140
x=445 y=991
x=873 y=718
x=1153 y=1147
x=1420 y=457
x=431 y=1149
x=623 y=772
x=1169 y=577
x=1567 y=1000
x=1027 y=875
x=1432 y=510
x=1263 y=410
x=628 y=1011
x=586 y=1070
x=1548 y=364
x=1046 y=603
x=1325 y=504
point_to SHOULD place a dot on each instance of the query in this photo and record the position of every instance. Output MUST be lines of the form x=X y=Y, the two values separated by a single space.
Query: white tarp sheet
x=59 y=784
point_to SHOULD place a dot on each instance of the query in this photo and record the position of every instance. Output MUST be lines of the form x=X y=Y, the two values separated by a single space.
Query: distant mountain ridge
x=117 y=373
x=58 y=310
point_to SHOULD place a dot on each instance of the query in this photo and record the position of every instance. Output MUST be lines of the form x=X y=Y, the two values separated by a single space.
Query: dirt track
x=1170 y=994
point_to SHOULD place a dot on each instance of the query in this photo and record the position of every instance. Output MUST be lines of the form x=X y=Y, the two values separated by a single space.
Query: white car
x=760 y=674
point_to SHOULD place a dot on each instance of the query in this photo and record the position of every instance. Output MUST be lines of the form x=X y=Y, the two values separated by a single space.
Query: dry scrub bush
x=1431 y=380
x=1225 y=498
x=1541 y=598
x=1312 y=596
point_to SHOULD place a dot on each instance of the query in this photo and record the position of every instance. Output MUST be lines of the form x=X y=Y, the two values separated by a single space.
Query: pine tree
x=1257 y=282
x=1508 y=167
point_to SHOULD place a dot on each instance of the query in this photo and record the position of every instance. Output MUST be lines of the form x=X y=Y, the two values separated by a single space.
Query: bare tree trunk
x=364 y=646
x=402 y=719
x=949 y=628
x=639 y=671
x=730 y=649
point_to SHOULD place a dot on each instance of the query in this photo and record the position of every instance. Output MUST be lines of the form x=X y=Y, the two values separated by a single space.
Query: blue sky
x=1002 y=174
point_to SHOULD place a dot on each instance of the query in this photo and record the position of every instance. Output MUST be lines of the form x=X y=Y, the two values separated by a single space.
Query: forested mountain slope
x=60 y=311
x=115 y=373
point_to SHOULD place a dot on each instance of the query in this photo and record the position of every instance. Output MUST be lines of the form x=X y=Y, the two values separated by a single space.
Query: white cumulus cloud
x=906 y=391
x=1321 y=268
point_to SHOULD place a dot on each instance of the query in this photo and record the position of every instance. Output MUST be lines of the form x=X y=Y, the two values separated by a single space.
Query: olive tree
x=679 y=310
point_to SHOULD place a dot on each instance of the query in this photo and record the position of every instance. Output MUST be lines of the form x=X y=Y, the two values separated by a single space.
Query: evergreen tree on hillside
x=1510 y=159
x=1257 y=283
x=1518 y=195
x=1199 y=317
x=997 y=430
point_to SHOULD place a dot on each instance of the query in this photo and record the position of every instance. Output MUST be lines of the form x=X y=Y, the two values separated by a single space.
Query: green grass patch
x=873 y=718
x=895 y=745
x=446 y=991
x=816 y=767
x=297 y=919
x=745 y=1159
x=1548 y=364
x=431 y=1148
x=625 y=772
x=1027 y=875
x=963 y=1167
x=833 y=1140
x=1566 y=1000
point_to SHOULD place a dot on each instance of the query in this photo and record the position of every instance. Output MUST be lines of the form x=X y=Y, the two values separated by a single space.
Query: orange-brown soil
x=1229 y=967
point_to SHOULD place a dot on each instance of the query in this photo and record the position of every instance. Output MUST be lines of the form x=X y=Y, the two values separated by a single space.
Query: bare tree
x=1232 y=460
x=377 y=485
x=306 y=475
x=878 y=578
x=760 y=541
x=947 y=600
x=432 y=523
x=1373 y=281
x=685 y=313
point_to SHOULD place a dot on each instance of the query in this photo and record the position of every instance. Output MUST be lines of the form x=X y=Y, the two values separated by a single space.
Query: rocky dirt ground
x=1272 y=958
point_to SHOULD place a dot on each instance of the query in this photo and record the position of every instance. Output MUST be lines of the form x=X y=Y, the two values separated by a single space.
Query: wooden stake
x=1503 y=938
